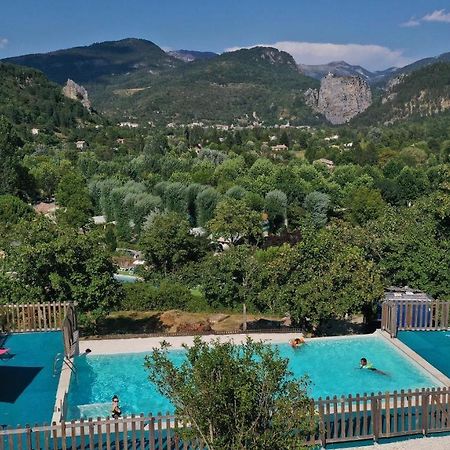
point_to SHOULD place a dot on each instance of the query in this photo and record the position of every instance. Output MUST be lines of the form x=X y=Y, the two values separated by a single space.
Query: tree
x=10 y=168
x=73 y=198
x=167 y=243
x=318 y=205
x=276 y=207
x=205 y=205
x=64 y=265
x=234 y=396
x=234 y=220
x=13 y=210
x=365 y=204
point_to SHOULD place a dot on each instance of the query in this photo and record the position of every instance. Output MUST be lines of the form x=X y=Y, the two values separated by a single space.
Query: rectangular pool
x=27 y=385
x=433 y=346
x=331 y=364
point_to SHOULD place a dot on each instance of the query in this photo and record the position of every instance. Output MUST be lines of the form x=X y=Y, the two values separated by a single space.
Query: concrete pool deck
x=140 y=345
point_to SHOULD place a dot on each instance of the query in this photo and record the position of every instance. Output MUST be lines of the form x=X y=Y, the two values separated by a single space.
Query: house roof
x=45 y=208
x=406 y=293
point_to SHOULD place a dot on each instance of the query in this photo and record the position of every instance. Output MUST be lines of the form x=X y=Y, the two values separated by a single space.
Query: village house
x=46 y=209
x=81 y=145
x=128 y=124
x=35 y=131
x=279 y=148
x=326 y=162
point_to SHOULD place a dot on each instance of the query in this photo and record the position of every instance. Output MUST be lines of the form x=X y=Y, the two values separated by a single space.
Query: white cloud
x=411 y=23
x=372 y=57
x=437 y=16
x=3 y=42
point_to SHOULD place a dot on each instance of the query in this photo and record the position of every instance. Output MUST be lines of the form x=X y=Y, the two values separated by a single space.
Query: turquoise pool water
x=434 y=346
x=331 y=364
x=27 y=385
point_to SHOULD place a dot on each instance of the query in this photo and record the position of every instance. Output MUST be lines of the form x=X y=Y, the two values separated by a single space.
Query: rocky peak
x=76 y=92
x=340 y=99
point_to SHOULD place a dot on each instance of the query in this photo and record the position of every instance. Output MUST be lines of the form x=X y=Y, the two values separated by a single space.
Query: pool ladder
x=66 y=361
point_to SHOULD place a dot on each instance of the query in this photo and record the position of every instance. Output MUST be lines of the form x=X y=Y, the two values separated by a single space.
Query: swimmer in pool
x=364 y=364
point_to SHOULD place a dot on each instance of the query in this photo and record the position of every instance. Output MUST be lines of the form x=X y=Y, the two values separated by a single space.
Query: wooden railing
x=383 y=415
x=414 y=315
x=345 y=419
x=34 y=316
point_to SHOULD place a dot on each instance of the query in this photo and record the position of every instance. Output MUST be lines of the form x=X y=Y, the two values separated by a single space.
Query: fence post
x=322 y=430
x=375 y=412
x=425 y=402
x=29 y=444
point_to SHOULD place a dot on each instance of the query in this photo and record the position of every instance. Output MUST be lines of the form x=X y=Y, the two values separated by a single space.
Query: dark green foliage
x=146 y=297
x=13 y=210
x=167 y=243
x=63 y=265
x=74 y=201
x=29 y=100
x=12 y=174
x=235 y=396
x=205 y=205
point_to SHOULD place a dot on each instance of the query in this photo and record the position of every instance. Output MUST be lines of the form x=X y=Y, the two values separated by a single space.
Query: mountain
x=339 y=68
x=420 y=93
x=191 y=55
x=136 y=78
x=96 y=62
x=29 y=100
x=382 y=78
x=262 y=82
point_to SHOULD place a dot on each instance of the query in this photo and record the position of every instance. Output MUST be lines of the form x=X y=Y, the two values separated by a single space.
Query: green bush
x=168 y=295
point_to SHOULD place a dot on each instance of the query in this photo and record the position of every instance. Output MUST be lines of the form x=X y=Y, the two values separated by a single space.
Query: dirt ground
x=175 y=321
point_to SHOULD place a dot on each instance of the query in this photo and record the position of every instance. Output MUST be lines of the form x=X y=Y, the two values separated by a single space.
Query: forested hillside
x=229 y=87
x=136 y=78
x=422 y=93
x=29 y=100
x=100 y=61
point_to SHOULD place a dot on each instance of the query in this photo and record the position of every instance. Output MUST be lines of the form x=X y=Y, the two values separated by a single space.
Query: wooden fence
x=34 y=316
x=383 y=415
x=414 y=315
x=345 y=419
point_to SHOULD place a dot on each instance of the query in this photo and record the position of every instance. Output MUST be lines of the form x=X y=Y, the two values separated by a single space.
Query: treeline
x=300 y=237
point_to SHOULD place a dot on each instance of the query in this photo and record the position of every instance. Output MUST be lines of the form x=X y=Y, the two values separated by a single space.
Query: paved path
x=430 y=443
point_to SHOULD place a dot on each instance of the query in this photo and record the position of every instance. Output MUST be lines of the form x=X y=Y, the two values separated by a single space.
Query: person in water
x=297 y=342
x=364 y=364
x=115 y=409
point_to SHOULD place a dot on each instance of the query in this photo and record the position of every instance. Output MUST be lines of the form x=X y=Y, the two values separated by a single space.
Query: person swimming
x=297 y=342
x=365 y=364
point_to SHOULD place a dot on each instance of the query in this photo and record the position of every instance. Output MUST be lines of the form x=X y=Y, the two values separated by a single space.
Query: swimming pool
x=332 y=365
x=433 y=346
x=28 y=387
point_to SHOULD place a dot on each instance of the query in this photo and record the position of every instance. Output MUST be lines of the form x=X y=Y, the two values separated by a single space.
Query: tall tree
x=10 y=169
x=235 y=221
x=74 y=201
x=167 y=243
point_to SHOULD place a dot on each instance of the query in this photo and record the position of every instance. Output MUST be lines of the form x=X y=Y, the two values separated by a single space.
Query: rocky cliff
x=74 y=91
x=340 y=99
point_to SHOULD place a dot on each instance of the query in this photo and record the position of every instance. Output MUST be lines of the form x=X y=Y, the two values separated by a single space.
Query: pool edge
x=415 y=357
x=142 y=345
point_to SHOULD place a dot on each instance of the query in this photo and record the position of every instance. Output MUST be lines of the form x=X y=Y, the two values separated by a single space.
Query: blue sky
x=374 y=33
